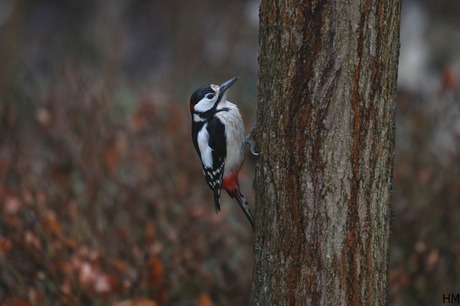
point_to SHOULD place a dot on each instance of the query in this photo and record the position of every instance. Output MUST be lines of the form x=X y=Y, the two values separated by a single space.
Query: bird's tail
x=217 y=199
x=244 y=207
x=232 y=187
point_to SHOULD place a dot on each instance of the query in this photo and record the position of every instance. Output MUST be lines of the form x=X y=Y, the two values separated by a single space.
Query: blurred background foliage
x=102 y=200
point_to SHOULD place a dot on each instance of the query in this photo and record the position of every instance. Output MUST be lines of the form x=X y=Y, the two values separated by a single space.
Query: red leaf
x=157 y=269
x=51 y=223
x=204 y=300
x=5 y=246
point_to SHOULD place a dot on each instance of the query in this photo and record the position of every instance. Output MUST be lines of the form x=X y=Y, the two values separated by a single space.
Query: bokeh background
x=102 y=199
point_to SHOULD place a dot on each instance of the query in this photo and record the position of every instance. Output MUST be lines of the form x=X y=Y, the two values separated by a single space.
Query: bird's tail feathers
x=244 y=205
x=217 y=200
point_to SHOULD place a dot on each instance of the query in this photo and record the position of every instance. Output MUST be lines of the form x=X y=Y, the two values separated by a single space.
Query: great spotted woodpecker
x=218 y=137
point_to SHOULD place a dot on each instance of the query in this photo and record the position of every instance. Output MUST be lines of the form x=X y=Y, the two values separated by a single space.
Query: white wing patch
x=198 y=118
x=214 y=177
x=205 y=149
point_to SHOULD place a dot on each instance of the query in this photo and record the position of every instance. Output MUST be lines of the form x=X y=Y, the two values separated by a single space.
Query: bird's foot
x=249 y=140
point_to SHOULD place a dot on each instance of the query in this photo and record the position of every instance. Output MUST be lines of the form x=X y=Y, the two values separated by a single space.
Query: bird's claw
x=250 y=141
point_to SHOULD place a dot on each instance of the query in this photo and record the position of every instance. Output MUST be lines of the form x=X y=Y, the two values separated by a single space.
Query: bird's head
x=208 y=96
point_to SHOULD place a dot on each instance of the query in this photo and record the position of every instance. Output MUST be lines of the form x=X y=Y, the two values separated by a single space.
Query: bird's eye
x=210 y=96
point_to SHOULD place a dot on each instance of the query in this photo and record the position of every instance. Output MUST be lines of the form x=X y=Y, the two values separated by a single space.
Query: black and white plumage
x=218 y=137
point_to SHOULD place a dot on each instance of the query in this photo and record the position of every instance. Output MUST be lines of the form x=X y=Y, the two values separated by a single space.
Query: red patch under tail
x=231 y=184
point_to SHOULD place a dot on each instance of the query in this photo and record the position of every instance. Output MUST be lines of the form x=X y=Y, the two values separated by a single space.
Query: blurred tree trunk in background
x=327 y=86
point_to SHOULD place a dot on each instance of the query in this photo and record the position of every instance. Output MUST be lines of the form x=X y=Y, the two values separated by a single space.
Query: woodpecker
x=218 y=137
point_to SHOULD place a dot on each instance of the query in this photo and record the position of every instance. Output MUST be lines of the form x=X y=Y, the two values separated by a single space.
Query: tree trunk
x=327 y=86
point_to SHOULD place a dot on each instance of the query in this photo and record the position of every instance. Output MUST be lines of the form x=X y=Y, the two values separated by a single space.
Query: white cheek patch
x=203 y=145
x=204 y=105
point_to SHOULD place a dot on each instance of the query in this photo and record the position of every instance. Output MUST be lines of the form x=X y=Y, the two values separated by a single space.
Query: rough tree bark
x=327 y=85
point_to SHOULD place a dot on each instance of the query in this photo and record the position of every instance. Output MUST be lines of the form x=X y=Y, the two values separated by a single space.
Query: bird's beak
x=226 y=85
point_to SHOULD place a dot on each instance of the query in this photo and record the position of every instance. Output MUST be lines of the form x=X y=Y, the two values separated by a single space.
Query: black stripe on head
x=199 y=94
